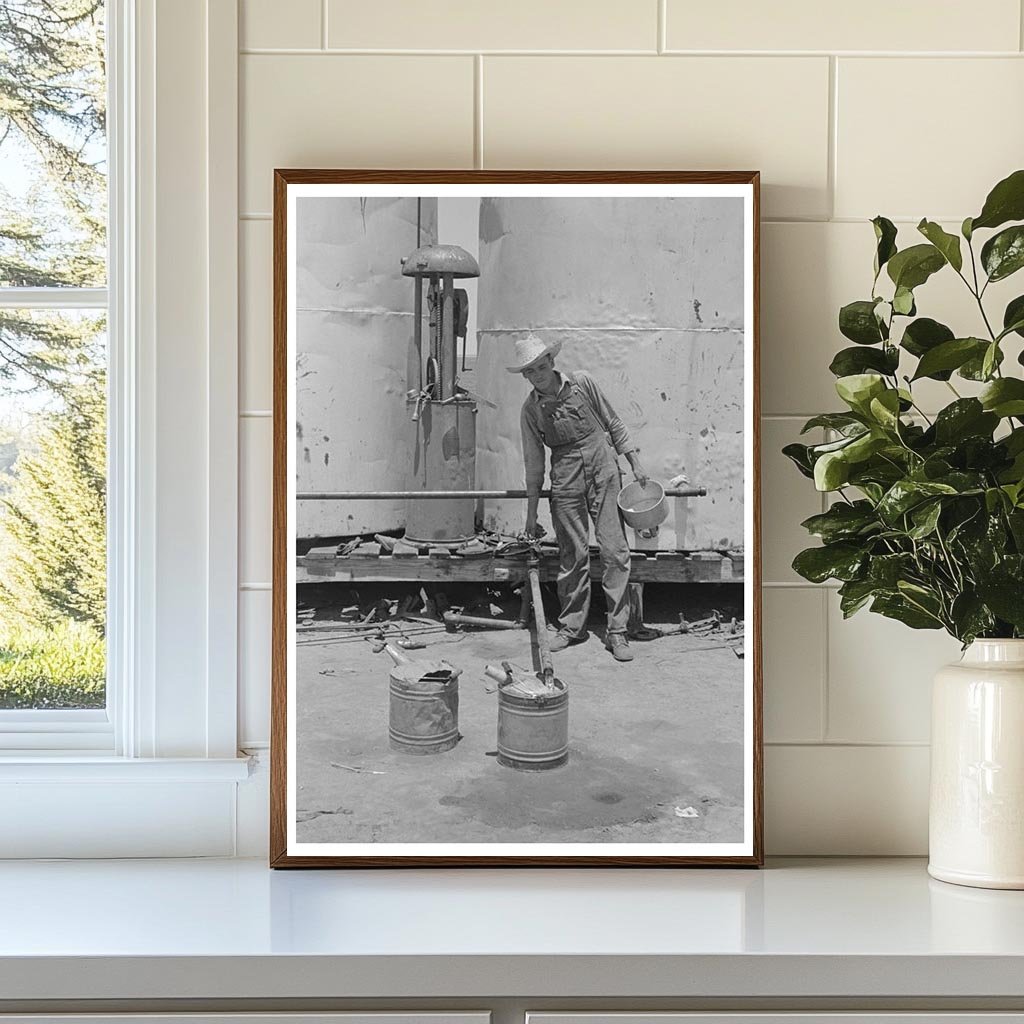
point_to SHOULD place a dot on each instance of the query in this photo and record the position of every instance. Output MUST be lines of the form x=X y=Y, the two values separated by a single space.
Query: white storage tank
x=647 y=296
x=354 y=327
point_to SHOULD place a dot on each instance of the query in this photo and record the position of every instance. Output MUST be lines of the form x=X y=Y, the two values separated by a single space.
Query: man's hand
x=533 y=528
x=638 y=469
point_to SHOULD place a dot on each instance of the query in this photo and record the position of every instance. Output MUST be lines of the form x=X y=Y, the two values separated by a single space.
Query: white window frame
x=170 y=730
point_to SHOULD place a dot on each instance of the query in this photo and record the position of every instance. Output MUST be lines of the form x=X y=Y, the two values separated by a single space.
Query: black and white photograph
x=515 y=519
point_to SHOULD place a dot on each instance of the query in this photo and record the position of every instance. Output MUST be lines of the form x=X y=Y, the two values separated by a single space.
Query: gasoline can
x=424 y=707
x=533 y=728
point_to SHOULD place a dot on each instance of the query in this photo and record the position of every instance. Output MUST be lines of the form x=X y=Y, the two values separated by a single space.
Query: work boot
x=562 y=639
x=618 y=644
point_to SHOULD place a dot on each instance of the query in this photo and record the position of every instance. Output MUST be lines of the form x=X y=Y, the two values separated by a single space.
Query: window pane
x=53 y=149
x=52 y=509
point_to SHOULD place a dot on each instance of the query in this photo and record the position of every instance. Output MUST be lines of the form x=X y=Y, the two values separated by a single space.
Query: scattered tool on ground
x=456 y=619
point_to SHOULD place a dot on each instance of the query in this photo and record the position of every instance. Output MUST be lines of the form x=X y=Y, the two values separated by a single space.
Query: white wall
x=906 y=109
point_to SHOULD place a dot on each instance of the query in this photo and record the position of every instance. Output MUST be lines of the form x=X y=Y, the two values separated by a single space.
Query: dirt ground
x=647 y=740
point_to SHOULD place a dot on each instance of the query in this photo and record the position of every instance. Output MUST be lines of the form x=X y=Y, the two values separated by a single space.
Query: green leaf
x=1005 y=596
x=912 y=267
x=864 y=446
x=841 y=421
x=947 y=244
x=885 y=409
x=857 y=321
x=858 y=389
x=831 y=471
x=965 y=229
x=974 y=368
x=1013 y=317
x=854 y=594
x=1005 y=202
x=923 y=335
x=904 y=495
x=832 y=561
x=948 y=356
x=885 y=237
x=991 y=360
x=1004 y=397
x=925 y=518
x=849 y=361
x=897 y=607
x=971 y=617
x=886 y=571
x=799 y=455
x=966 y=417
x=843 y=521
x=903 y=302
x=1003 y=254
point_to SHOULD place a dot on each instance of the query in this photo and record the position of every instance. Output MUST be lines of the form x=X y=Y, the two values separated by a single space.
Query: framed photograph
x=516 y=613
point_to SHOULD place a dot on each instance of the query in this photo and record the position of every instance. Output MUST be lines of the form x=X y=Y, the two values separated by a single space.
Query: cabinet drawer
x=852 y=1017
x=361 y=1017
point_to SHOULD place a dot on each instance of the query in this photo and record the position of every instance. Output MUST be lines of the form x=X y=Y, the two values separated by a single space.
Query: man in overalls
x=569 y=414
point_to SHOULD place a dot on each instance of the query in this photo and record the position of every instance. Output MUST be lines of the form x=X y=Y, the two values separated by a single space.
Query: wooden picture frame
x=290 y=847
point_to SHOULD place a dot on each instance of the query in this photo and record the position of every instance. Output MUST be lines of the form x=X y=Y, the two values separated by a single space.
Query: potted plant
x=927 y=521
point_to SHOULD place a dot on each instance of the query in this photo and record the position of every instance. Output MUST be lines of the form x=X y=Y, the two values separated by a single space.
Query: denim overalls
x=585 y=482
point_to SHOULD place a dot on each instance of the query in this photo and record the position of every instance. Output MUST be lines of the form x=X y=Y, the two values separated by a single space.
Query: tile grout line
x=478 y=111
x=1020 y=23
x=323 y=24
x=662 y=42
x=824 y=724
x=852 y=744
x=831 y=171
x=768 y=55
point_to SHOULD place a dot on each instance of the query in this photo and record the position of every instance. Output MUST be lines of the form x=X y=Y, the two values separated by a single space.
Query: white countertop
x=234 y=929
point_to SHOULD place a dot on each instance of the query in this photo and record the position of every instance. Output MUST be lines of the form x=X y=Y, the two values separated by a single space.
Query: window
x=53 y=369
x=168 y=287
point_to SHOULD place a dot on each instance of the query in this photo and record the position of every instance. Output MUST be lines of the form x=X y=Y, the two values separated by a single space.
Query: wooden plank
x=427 y=569
x=369 y=550
x=324 y=554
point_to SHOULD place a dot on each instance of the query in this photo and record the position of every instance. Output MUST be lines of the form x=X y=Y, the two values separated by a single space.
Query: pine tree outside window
x=53 y=365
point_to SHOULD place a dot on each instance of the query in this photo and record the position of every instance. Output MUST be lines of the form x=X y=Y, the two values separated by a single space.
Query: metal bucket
x=533 y=730
x=643 y=507
x=424 y=707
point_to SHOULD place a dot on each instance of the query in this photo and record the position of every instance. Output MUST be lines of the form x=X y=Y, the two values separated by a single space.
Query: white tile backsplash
x=962 y=130
x=260 y=24
x=877 y=25
x=472 y=25
x=879 y=677
x=794 y=664
x=350 y=111
x=692 y=113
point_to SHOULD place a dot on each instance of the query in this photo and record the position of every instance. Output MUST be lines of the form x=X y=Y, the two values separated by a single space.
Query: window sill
x=74 y=766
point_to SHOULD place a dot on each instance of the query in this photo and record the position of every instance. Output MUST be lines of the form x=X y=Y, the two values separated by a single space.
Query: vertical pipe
x=415 y=373
x=543 y=651
x=446 y=357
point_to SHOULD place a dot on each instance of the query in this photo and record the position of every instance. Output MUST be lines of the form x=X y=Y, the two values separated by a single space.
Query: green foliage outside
x=59 y=667
x=927 y=525
x=52 y=365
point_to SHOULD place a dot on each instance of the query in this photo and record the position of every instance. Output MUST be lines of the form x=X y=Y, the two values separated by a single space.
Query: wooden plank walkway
x=324 y=565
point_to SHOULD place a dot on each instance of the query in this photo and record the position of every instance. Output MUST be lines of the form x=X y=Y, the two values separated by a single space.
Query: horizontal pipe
x=677 y=492
x=455 y=618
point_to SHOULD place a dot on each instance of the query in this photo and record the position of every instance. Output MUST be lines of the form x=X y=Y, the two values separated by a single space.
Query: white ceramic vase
x=976 y=813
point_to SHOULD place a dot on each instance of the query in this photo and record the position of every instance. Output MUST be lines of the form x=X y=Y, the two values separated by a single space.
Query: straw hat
x=530 y=350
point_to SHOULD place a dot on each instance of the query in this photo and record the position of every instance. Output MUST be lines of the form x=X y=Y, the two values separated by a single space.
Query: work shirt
x=532 y=423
